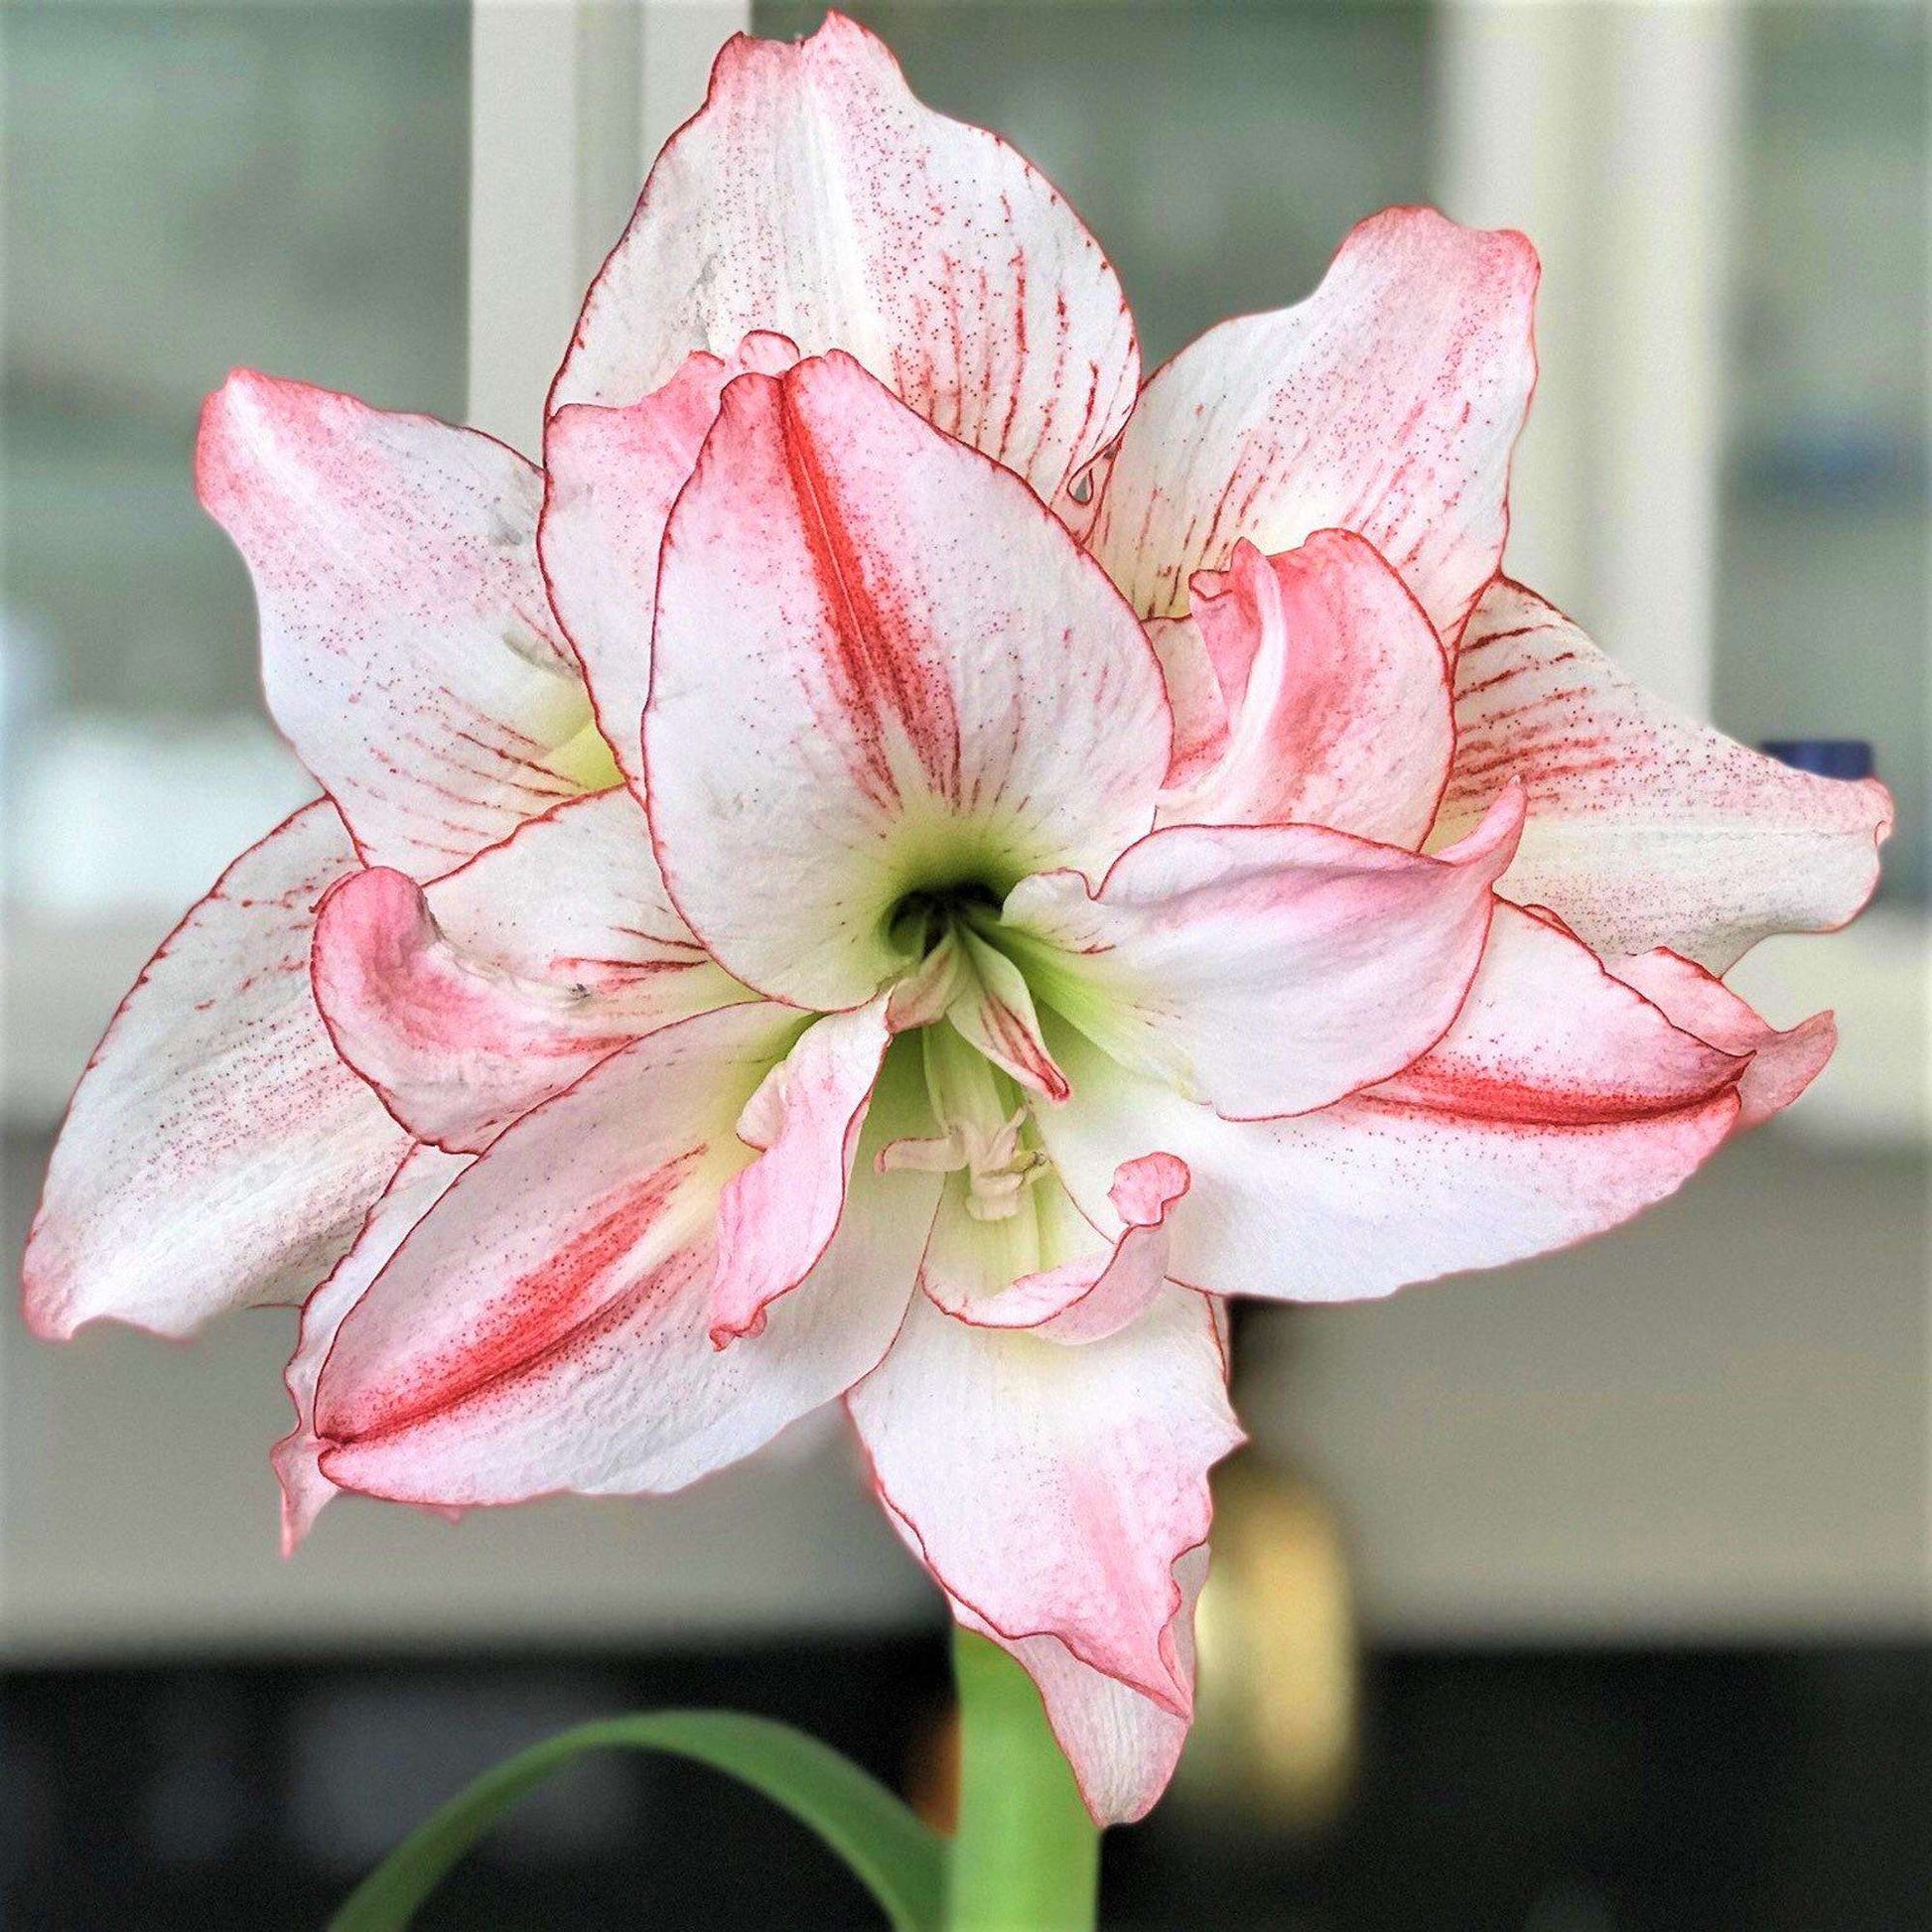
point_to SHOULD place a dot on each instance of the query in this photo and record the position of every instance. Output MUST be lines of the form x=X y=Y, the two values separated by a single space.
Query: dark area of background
x=1501 y=1791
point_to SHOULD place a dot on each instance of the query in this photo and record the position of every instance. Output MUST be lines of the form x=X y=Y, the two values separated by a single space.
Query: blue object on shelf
x=1829 y=758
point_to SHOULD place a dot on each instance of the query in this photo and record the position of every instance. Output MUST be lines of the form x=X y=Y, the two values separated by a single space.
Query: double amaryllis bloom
x=903 y=867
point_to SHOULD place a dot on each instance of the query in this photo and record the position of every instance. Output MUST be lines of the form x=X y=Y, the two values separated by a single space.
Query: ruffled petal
x=813 y=195
x=778 y=1216
x=1195 y=693
x=1645 y=828
x=547 y=1326
x=1051 y=1490
x=1341 y=716
x=1123 y=1747
x=1558 y=1105
x=216 y=1152
x=510 y=977
x=1263 y=969
x=880 y=668
x=408 y=652
x=610 y=477
x=1046 y=1268
x=416 y=1186
x=1387 y=403
x=1782 y=1063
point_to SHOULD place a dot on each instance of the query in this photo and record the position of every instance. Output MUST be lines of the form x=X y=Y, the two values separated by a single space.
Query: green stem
x=1026 y=1855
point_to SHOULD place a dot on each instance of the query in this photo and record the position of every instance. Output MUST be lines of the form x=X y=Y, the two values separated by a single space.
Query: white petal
x=1645 y=828
x=216 y=1152
x=814 y=196
x=1054 y=1490
x=415 y=1187
x=547 y=1326
x=1339 y=712
x=880 y=666
x=610 y=477
x=1559 y=1105
x=408 y=650
x=1263 y=969
x=1386 y=403
x=469 y=1004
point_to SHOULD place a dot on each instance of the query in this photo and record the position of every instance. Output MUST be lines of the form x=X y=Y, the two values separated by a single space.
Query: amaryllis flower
x=1050 y=855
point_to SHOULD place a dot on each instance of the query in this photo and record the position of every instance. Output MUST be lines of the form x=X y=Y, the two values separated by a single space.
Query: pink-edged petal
x=993 y=1011
x=1645 y=828
x=1387 y=403
x=1010 y=1275
x=1560 y=1104
x=880 y=666
x=576 y=895
x=1196 y=697
x=610 y=477
x=1054 y=1490
x=408 y=650
x=920 y=997
x=1264 y=969
x=1123 y=1747
x=415 y=1187
x=216 y=1152
x=1343 y=715
x=548 y=1327
x=468 y=1005
x=1783 y=1063
x=813 y=195
x=778 y=1216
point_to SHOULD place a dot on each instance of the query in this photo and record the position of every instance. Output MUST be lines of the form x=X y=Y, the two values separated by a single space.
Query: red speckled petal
x=547 y=1326
x=1263 y=969
x=510 y=978
x=1783 y=1063
x=880 y=666
x=610 y=478
x=814 y=196
x=1343 y=715
x=416 y=1186
x=1558 y=1105
x=1645 y=828
x=1387 y=403
x=408 y=652
x=216 y=1152
x=1055 y=1491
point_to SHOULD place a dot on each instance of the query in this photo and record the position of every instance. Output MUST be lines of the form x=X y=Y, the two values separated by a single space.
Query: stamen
x=998 y=1170
x=945 y=1156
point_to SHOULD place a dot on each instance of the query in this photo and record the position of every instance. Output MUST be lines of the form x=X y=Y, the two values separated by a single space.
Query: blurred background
x=1591 y=1595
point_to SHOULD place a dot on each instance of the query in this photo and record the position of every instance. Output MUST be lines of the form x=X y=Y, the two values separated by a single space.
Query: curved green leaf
x=900 y=1862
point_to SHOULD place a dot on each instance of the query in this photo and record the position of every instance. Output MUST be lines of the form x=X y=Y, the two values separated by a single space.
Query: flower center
x=983 y=1126
x=921 y=919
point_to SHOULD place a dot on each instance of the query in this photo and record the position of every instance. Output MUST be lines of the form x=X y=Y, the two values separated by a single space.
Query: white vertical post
x=569 y=101
x=523 y=242
x=1513 y=83
x=1668 y=155
x=1608 y=134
